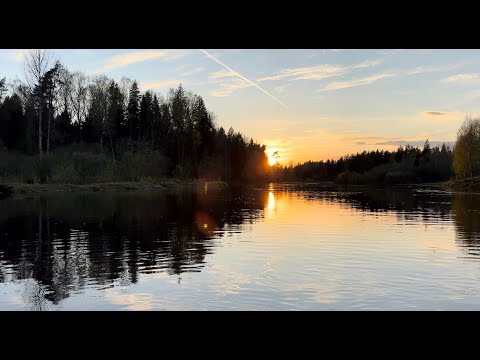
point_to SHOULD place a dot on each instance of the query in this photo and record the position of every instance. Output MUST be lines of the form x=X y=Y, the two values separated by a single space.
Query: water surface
x=277 y=247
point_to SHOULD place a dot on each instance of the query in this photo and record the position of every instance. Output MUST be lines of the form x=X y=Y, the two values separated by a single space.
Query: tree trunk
x=179 y=152
x=113 y=151
x=79 y=125
x=40 y=146
x=183 y=154
x=138 y=140
x=48 y=127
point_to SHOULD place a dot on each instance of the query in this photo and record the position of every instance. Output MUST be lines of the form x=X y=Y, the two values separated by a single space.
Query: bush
x=400 y=177
x=350 y=178
x=65 y=166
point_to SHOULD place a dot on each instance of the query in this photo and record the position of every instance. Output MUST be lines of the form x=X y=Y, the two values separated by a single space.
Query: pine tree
x=133 y=110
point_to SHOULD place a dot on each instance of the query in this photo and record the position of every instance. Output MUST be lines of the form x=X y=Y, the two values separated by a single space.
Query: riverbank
x=168 y=184
x=469 y=184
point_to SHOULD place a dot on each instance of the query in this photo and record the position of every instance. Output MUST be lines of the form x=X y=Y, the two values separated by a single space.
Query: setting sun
x=272 y=160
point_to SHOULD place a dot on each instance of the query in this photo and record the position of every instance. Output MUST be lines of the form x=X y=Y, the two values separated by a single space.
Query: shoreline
x=162 y=185
x=464 y=185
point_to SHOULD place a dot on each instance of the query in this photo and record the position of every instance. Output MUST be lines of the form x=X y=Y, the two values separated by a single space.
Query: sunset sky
x=310 y=104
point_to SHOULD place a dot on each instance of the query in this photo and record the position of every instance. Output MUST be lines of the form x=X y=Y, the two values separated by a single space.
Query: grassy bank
x=167 y=184
x=89 y=171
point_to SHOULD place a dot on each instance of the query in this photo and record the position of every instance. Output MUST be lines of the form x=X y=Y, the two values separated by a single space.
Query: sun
x=272 y=160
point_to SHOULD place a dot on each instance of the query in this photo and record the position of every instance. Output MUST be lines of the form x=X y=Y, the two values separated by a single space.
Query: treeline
x=406 y=164
x=63 y=126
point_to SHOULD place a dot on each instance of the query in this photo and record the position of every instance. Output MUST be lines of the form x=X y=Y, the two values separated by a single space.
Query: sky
x=307 y=104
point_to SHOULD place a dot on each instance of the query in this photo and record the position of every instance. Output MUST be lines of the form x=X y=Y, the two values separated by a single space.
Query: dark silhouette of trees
x=133 y=111
x=12 y=123
x=409 y=164
x=115 y=130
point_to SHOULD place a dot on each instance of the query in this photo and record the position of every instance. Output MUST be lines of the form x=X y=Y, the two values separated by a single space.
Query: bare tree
x=98 y=105
x=79 y=99
x=64 y=98
x=3 y=87
x=22 y=90
x=125 y=85
x=37 y=63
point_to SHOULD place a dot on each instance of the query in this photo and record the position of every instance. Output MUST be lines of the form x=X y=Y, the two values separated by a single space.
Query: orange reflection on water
x=271 y=201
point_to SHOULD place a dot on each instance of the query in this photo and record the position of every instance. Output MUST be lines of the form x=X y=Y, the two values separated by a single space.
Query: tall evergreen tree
x=133 y=111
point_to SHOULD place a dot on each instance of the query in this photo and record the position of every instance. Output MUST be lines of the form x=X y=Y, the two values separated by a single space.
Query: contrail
x=241 y=76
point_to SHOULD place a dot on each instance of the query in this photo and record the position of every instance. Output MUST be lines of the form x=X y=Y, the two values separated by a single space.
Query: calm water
x=292 y=247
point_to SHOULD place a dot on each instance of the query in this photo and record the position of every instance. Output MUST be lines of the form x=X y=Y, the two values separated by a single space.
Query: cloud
x=374 y=78
x=159 y=84
x=360 y=143
x=230 y=87
x=461 y=78
x=435 y=113
x=175 y=54
x=192 y=71
x=239 y=76
x=444 y=115
x=222 y=74
x=122 y=60
x=318 y=72
x=356 y=82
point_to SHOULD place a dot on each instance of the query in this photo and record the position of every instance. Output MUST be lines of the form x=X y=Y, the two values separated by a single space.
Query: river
x=272 y=247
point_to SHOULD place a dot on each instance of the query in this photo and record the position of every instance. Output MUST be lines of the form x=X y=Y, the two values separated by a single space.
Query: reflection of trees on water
x=408 y=204
x=467 y=221
x=66 y=242
x=430 y=205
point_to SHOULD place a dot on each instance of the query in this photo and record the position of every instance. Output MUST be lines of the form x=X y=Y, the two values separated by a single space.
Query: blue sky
x=337 y=101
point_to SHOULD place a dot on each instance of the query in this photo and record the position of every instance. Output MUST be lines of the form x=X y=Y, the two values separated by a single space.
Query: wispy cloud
x=193 y=71
x=318 y=72
x=444 y=115
x=159 y=84
x=337 y=85
x=122 y=60
x=428 y=69
x=374 y=78
x=228 y=88
x=462 y=78
x=435 y=113
x=222 y=74
x=241 y=76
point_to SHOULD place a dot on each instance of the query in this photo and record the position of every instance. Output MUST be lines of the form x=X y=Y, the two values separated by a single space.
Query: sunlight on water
x=293 y=247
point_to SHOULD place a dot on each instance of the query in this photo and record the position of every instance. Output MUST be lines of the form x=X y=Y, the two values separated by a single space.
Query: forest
x=405 y=165
x=59 y=126
x=64 y=127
